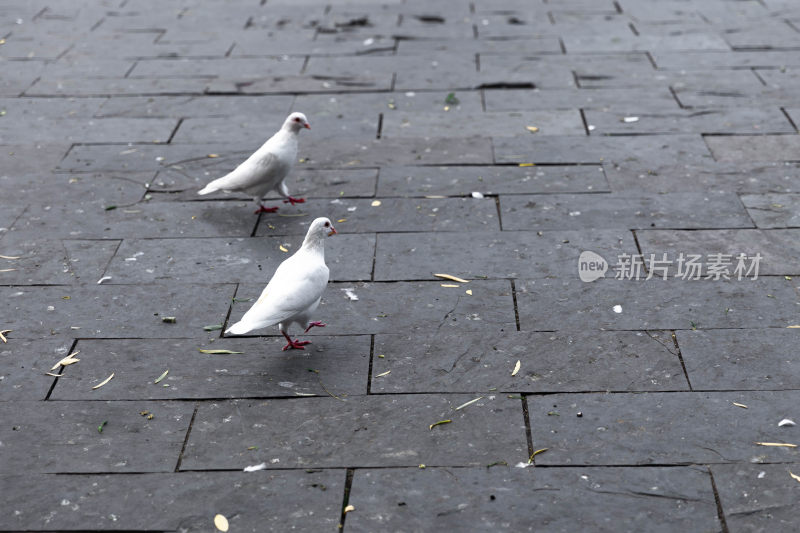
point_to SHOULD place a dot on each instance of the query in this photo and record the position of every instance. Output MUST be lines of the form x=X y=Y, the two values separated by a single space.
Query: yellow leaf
x=793 y=327
x=780 y=444
x=527 y=164
x=349 y=508
x=375 y=203
x=383 y=374
x=516 y=368
x=221 y=523
x=451 y=278
x=109 y=378
x=282 y=249
x=449 y=285
x=794 y=476
x=439 y=423
x=212 y=156
x=743 y=406
x=532 y=129
x=68 y=360
x=469 y=291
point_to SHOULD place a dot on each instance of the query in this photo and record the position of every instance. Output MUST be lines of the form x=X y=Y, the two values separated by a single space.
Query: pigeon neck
x=314 y=243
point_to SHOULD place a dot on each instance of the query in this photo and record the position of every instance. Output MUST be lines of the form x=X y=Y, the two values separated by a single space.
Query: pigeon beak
x=307 y=125
x=332 y=231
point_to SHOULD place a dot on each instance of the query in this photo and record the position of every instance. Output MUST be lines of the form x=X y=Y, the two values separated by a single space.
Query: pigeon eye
x=297 y=119
x=327 y=224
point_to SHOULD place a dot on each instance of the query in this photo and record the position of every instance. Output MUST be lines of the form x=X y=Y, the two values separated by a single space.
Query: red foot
x=262 y=209
x=312 y=324
x=292 y=200
x=294 y=344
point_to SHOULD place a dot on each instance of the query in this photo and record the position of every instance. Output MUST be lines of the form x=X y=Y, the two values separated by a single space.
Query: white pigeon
x=267 y=168
x=295 y=289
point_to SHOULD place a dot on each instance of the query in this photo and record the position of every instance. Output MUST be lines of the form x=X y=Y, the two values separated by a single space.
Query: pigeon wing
x=292 y=290
x=257 y=171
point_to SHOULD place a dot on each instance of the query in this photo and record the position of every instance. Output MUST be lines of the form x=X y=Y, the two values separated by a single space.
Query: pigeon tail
x=240 y=328
x=208 y=189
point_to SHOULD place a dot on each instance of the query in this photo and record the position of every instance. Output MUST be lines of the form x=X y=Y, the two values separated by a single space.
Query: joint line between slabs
x=186 y=438
x=680 y=358
x=718 y=501
x=348 y=484
x=63 y=369
x=514 y=299
x=369 y=370
x=527 y=418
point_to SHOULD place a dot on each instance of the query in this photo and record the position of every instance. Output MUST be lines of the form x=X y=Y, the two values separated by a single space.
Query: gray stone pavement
x=621 y=127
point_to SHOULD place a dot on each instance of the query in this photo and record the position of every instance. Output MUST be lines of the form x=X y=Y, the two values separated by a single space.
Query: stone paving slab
x=30 y=158
x=23 y=364
x=483 y=364
x=727 y=121
x=578 y=211
x=526 y=44
x=338 y=364
x=505 y=255
x=226 y=260
x=31 y=109
x=754 y=147
x=326 y=432
x=773 y=210
x=757 y=497
x=752 y=177
x=141 y=219
x=566 y=122
x=722 y=60
x=390 y=215
x=49 y=437
x=87 y=260
x=196 y=106
x=116 y=86
x=348 y=108
x=635 y=43
x=114 y=311
x=569 y=305
x=383 y=308
x=20 y=77
x=77 y=196
x=96 y=130
x=207 y=68
x=620 y=99
x=512 y=499
x=778 y=248
x=456 y=181
x=39 y=262
x=661 y=428
x=170 y=502
x=640 y=151
x=734 y=359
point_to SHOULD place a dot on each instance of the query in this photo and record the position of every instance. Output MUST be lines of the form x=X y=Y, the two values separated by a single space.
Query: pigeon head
x=319 y=229
x=295 y=122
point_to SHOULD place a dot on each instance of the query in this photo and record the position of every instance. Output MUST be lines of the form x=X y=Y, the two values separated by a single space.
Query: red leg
x=292 y=200
x=293 y=344
x=312 y=324
x=262 y=209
